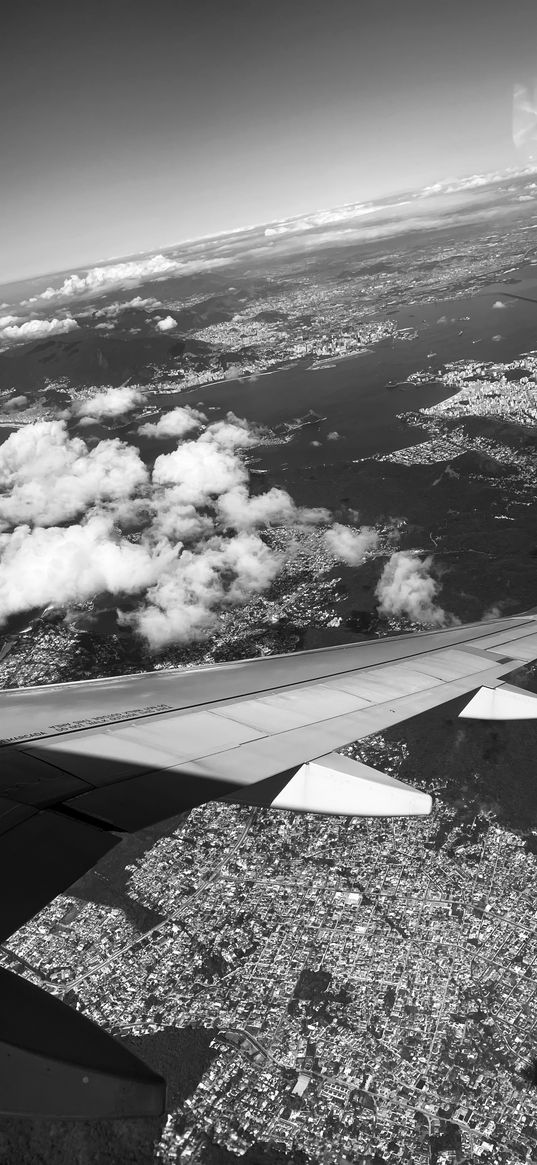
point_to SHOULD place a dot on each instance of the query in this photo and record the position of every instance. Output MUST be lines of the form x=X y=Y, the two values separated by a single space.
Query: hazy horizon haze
x=129 y=130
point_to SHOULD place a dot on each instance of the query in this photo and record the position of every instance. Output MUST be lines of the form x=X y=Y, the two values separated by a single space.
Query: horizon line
x=497 y=175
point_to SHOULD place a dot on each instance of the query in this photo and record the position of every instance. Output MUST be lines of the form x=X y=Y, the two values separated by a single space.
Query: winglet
x=336 y=784
x=504 y=702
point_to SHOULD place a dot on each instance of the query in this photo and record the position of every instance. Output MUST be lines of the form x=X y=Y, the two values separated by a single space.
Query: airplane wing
x=84 y=763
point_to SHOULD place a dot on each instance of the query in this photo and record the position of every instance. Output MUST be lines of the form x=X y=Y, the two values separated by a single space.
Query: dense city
x=359 y=977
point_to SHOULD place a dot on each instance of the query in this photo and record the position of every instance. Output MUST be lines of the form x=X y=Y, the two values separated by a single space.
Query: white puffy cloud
x=47 y=477
x=35 y=329
x=241 y=511
x=274 y=508
x=111 y=402
x=176 y=520
x=167 y=324
x=233 y=433
x=406 y=588
x=61 y=565
x=139 y=301
x=184 y=603
x=187 y=541
x=351 y=546
x=200 y=470
x=177 y=423
x=129 y=273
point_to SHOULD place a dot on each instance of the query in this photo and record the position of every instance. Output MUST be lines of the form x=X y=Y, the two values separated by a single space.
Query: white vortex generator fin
x=335 y=784
x=504 y=702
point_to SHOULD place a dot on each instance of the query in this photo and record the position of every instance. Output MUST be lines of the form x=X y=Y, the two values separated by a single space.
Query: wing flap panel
x=526 y=649
x=508 y=638
x=503 y=702
x=452 y=664
x=102 y=758
x=336 y=784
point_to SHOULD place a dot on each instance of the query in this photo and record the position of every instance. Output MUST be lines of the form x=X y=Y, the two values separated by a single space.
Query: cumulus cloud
x=351 y=546
x=167 y=324
x=111 y=402
x=99 y=280
x=185 y=602
x=177 y=423
x=176 y=520
x=139 y=301
x=274 y=508
x=189 y=541
x=233 y=433
x=61 y=565
x=200 y=470
x=35 y=329
x=115 y=309
x=406 y=588
x=47 y=477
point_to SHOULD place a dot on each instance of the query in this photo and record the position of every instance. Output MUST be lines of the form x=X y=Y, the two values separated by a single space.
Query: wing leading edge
x=84 y=762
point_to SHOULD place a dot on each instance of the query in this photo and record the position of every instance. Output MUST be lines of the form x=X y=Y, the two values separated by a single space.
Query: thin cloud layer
x=406 y=589
x=16 y=402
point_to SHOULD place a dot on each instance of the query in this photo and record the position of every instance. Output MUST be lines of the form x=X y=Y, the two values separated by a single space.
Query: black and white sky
x=129 y=125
